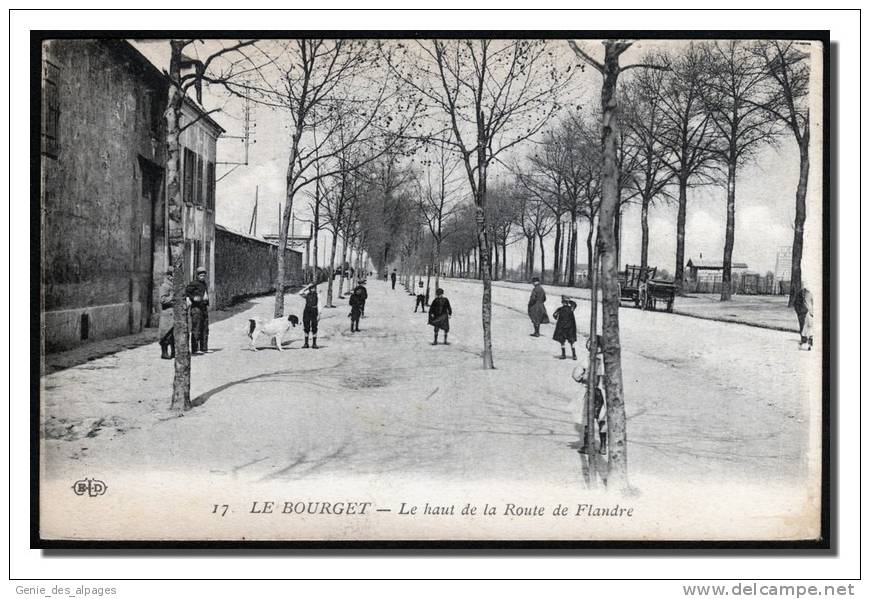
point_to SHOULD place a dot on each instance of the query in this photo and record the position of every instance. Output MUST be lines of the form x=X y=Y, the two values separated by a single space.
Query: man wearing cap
x=439 y=315
x=310 y=314
x=363 y=293
x=537 y=309
x=197 y=298
x=167 y=318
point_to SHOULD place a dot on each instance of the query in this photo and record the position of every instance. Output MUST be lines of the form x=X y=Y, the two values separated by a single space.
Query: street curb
x=747 y=323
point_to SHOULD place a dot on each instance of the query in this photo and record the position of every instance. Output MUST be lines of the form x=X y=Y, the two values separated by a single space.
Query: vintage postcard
x=431 y=289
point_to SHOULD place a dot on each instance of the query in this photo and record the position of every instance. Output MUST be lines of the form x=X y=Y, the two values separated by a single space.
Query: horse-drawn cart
x=640 y=286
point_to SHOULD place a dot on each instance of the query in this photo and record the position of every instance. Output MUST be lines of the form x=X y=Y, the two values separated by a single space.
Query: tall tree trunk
x=679 y=274
x=589 y=256
x=800 y=216
x=725 y=294
x=543 y=260
x=331 y=270
x=285 y=223
x=504 y=258
x=617 y=438
x=342 y=266
x=557 y=250
x=437 y=267
x=316 y=226
x=617 y=230
x=644 y=232
x=181 y=379
x=494 y=250
x=572 y=253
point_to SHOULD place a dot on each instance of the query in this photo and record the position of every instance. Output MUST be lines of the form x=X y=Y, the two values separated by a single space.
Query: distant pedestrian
x=311 y=314
x=166 y=326
x=421 y=299
x=356 y=302
x=364 y=295
x=439 y=315
x=393 y=278
x=537 y=309
x=803 y=306
x=599 y=410
x=566 y=326
x=197 y=298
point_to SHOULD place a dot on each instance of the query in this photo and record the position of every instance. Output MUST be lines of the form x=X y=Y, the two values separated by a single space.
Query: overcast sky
x=764 y=202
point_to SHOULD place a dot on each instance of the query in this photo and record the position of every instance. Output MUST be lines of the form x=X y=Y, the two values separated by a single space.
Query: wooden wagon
x=640 y=286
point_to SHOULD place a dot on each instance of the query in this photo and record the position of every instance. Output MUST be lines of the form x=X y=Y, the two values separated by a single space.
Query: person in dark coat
x=393 y=278
x=421 y=299
x=537 y=309
x=439 y=315
x=310 y=314
x=803 y=306
x=197 y=298
x=566 y=326
x=356 y=303
x=364 y=295
x=166 y=325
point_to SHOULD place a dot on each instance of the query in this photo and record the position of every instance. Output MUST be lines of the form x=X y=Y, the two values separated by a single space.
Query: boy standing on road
x=566 y=326
x=421 y=299
x=311 y=313
x=197 y=298
x=439 y=315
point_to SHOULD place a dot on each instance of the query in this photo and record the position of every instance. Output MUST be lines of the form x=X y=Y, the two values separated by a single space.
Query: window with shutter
x=209 y=186
x=198 y=181
x=189 y=169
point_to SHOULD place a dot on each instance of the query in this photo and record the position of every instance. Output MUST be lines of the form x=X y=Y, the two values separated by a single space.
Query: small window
x=50 y=108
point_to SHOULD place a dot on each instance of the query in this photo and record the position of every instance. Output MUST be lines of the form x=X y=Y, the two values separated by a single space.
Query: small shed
x=698 y=269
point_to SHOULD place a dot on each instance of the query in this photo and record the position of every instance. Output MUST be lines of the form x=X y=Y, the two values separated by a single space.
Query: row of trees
x=394 y=145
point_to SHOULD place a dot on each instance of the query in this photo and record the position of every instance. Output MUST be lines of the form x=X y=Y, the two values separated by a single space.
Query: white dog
x=273 y=328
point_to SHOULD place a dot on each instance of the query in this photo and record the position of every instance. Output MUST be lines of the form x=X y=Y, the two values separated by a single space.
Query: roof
x=152 y=70
x=712 y=264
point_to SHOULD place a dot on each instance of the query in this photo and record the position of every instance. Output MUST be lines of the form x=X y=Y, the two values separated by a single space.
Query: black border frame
x=824 y=545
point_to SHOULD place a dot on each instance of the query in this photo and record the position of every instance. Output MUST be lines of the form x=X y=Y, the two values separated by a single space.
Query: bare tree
x=645 y=122
x=739 y=103
x=219 y=66
x=437 y=195
x=319 y=83
x=788 y=70
x=687 y=137
x=492 y=95
x=610 y=70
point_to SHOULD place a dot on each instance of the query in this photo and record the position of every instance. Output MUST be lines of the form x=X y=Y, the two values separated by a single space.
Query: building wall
x=245 y=267
x=97 y=215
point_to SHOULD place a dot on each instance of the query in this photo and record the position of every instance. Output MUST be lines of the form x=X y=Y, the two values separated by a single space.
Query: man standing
x=166 y=325
x=439 y=315
x=803 y=306
x=310 y=314
x=355 y=309
x=393 y=278
x=421 y=299
x=363 y=295
x=537 y=309
x=197 y=298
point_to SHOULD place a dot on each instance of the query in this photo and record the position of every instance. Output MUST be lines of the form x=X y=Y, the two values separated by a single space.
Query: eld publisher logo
x=90 y=487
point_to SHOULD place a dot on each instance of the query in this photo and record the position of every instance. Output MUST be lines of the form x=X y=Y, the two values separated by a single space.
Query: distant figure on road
x=537 y=309
x=393 y=278
x=803 y=305
x=197 y=298
x=566 y=326
x=356 y=302
x=421 y=299
x=311 y=314
x=364 y=295
x=439 y=315
x=166 y=326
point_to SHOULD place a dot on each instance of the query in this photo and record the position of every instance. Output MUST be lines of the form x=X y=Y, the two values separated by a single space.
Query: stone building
x=102 y=190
